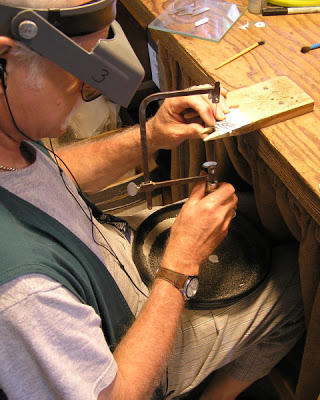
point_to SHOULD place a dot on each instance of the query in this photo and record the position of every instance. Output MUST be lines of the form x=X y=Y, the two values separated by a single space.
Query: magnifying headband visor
x=111 y=67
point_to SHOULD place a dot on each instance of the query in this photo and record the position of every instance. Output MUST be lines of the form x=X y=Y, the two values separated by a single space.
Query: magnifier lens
x=88 y=93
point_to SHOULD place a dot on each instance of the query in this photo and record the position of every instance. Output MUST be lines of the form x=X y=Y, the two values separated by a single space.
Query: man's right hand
x=200 y=227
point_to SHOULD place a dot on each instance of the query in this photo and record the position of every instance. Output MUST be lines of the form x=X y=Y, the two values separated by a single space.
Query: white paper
x=234 y=119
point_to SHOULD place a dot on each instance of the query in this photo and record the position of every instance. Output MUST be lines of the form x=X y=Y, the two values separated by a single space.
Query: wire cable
x=93 y=225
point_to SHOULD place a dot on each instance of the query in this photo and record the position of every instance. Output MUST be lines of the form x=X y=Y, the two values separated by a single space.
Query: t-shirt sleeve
x=52 y=345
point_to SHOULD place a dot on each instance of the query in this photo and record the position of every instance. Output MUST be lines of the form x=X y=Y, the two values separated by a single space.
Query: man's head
x=32 y=61
x=110 y=67
x=40 y=45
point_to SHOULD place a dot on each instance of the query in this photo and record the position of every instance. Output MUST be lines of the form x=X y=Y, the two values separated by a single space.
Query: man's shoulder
x=19 y=289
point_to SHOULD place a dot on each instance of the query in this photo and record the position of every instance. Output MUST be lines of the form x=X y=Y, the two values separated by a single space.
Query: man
x=76 y=319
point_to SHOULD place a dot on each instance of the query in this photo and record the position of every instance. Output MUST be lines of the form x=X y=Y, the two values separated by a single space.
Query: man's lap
x=249 y=336
x=266 y=322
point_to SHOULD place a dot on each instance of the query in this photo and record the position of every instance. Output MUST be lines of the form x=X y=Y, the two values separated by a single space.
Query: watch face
x=192 y=287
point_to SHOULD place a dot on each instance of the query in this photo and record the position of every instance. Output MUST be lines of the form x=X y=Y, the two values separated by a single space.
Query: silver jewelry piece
x=234 y=213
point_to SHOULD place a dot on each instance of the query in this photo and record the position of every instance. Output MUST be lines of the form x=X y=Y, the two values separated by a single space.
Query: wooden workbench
x=280 y=162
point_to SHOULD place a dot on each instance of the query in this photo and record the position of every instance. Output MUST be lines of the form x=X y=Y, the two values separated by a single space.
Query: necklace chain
x=12 y=169
x=25 y=155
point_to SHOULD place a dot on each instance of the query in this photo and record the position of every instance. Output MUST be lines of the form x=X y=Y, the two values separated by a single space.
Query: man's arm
x=97 y=164
x=143 y=353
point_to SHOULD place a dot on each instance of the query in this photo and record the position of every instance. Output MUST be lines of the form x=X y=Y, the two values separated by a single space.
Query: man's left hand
x=167 y=129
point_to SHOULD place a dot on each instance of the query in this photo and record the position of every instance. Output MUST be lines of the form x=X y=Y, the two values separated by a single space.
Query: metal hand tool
x=148 y=186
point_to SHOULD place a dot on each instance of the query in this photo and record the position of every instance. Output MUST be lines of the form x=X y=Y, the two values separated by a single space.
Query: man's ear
x=5 y=45
x=3 y=63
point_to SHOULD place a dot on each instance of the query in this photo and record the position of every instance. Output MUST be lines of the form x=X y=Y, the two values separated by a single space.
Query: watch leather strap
x=175 y=278
x=188 y=285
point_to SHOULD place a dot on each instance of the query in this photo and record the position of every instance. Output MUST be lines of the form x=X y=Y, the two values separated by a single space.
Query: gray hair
x=34 y=63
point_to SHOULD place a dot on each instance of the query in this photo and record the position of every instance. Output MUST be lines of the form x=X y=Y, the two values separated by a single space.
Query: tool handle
x=315 y=46
x=275 y=11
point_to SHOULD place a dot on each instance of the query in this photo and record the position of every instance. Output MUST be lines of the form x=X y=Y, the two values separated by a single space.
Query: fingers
x=202 y=223
x=202 y=104
x=199 y=190
x=223 y=104
x=168 y=128
x=223 y=91
x=212 y=111
x=223 y=197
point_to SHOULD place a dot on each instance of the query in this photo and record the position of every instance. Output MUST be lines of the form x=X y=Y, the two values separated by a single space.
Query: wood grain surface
x=290 y=148
x=267 y=103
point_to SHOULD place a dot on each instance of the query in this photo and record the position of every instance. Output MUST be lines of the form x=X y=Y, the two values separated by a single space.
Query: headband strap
x=75 y=21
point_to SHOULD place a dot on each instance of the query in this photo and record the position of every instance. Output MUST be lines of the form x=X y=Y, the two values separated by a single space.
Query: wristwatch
x=188 y=285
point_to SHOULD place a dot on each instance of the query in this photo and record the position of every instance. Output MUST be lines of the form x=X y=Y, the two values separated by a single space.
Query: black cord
x=93 y=225
x=90 y=216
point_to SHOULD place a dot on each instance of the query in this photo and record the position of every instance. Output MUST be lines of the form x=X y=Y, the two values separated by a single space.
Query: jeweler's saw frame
x=148 y=186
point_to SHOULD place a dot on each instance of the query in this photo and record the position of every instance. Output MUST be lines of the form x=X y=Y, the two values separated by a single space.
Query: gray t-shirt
x=52 y=345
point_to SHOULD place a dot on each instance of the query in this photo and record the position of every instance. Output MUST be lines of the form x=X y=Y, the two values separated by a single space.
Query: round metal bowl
x=237 y=267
